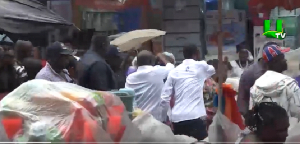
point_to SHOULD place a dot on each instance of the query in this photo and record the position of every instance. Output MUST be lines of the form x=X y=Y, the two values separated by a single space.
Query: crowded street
x=149 y=71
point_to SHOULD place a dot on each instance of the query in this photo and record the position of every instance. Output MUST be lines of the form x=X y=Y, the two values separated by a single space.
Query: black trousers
x=194 y=128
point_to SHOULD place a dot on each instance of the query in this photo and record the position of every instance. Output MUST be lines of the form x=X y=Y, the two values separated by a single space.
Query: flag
x=230 y=108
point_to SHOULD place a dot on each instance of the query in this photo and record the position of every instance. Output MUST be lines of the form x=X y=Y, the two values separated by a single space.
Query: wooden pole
x=220 y=55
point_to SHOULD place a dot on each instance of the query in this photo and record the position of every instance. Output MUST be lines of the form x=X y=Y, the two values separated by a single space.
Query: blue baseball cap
x=273 y=50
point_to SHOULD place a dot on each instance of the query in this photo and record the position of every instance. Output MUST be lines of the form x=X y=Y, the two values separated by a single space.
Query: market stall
x=28 y=16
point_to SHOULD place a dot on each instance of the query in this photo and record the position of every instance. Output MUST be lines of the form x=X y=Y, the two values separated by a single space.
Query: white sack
x=293 y=134
x=153 y=131
x=223 y=130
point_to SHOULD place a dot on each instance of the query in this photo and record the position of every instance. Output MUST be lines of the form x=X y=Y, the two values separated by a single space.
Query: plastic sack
x=234 y=82
x=136 y=112
x=223 y=130
x=40 y=110
x=153 y=131
x=3 y=137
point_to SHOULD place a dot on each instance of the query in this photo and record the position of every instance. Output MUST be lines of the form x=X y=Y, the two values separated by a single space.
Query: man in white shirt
x=185 y=84
x=147 y=83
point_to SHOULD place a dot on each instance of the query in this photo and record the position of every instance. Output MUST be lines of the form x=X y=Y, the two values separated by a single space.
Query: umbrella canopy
x=271 y=4
x=28 y=16
x=133 y=39
x=112 y=37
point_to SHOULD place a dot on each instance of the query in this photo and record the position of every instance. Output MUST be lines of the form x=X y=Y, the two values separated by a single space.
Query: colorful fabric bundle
x=67 y=112
x=229 y=106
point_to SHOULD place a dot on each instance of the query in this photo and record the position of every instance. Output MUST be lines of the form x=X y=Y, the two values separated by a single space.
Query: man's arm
x=208 y=70
x=164 y=70
x=243 y=96
x=98 y=77
x=166 y=94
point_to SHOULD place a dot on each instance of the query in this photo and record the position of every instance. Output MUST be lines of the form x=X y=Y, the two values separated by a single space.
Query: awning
x=28 y=16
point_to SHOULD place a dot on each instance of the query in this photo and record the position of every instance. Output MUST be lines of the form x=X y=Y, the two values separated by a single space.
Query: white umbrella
x=134 y=39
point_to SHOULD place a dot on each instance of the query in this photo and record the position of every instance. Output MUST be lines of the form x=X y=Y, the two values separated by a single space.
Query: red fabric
x=43 y=62
x=88 y=131
x=12 y=126
x=76 y=130
x=271 y=4
x=114 y=124
x=99 y=4
x=265 y=7
x=257 y=21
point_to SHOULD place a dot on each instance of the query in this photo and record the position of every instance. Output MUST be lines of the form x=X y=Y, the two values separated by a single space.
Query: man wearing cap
x=92 y=69
x=271 y=58
x=273 y=86
x=57 y=60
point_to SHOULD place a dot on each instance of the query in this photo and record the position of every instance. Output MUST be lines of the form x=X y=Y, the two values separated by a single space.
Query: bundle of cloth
x=39 y=111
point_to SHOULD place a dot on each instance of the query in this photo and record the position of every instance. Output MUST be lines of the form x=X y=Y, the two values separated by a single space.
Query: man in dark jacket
x=93 y=71
x=114 y=60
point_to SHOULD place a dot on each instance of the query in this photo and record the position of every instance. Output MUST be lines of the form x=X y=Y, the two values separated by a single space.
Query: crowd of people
x=177 y=95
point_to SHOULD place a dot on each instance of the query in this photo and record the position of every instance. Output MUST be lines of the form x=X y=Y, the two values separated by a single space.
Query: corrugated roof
x=28 y=16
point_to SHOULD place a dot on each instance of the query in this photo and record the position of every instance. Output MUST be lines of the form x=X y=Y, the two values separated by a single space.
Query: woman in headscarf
x=236 y=67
